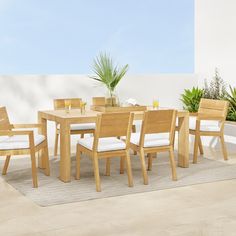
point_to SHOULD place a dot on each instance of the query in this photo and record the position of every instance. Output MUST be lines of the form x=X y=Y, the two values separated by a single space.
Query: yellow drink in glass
x=68 y=105
x=155 y=104
x=82 y=107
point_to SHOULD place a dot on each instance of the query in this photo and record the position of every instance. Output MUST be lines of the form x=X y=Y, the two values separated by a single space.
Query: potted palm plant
x=109 y=75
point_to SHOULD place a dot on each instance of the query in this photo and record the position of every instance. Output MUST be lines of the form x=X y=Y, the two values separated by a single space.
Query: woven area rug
x=52 y=191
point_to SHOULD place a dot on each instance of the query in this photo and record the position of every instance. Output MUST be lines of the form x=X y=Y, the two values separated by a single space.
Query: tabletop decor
x=109 y=75
x=98 y=104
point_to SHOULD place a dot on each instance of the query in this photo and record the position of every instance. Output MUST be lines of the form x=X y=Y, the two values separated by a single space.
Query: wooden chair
x=105 y=143
x=101 y=101
x=82 y=129
x=157 y=135
x=209 y=121
x=22 y=142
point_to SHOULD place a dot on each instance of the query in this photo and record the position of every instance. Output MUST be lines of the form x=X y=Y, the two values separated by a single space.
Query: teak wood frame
x=108 y=125
x=6 y=129
x=210 y=109
x=162 y=121
x=75 y=103
x=75 y=117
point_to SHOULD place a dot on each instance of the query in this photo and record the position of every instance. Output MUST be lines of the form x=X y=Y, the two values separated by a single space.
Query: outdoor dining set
x=106 y=132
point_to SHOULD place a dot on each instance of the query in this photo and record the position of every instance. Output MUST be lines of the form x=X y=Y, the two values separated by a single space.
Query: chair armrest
x=25 y=126
x=18 y=132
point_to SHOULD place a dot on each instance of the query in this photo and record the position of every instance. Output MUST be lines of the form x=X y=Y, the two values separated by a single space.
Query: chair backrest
x=61 y=103
x=114 y=124
x=217 y=108
x=4 y=120
x=160 y=121
x=99 y=101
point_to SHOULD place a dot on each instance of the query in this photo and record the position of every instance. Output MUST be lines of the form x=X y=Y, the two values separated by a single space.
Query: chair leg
x=34 y=169
x=108 y=167
x=200 y=146
x=56 y=144
x=129 y=169
x=134 y=131
x=6 y=164
x=149 y=162
x=224 y=147
x=122 y=165
x=195 y=152
x=46 y=160
x=174 y=138
x=78 y=156
x=172 y=163
x=96 y=173
x=143 y=166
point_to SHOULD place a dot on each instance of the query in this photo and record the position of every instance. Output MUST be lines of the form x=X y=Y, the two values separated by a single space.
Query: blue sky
x=63 y=36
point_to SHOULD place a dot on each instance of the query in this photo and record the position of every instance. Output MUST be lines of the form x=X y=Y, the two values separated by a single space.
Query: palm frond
x=106 y=73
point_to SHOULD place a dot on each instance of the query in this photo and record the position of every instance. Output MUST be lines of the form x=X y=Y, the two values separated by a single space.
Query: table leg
x=43 y=131
x=183 y=141
x=65 y=160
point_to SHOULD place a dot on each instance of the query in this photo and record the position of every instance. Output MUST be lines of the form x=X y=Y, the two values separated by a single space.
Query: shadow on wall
x=25 y=95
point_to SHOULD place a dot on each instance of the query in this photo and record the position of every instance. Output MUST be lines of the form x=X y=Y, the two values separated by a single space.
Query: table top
x=75 y=116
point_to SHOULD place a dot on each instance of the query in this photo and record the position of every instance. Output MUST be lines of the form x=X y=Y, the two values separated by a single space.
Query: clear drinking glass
x=82 y=107
x=68 y=105
x=155 y=104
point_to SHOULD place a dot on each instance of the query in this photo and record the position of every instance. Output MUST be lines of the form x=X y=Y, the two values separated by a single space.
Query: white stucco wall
x=215 y=39
x=25 y=95
x=215 y=46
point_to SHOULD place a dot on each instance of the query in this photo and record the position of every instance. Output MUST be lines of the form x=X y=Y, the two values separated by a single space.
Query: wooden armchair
x=105 y=144
x=87 y=128
x=21 y=142
x=157 y=135
x=209 y=121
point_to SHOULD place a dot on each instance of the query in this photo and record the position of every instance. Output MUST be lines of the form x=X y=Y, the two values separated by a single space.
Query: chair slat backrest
x=212 y=107
x=61 y=103
x=99 y=101
x=113 y=124
x=4 y=120
x=160 y=121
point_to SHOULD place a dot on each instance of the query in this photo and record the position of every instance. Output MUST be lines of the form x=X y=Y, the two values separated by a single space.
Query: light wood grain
x=108 y=125
x=160 y=121
x=99 y=101
x=60 y=104
x=75 y=117
x=118 y=109
x=6 y=130
x=210 y=109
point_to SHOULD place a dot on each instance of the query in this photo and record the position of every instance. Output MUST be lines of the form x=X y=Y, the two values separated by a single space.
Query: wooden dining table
x=74 y=116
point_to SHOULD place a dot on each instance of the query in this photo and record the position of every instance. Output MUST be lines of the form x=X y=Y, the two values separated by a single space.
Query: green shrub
x=191 y=99
x=216 y=89
x=231 y=97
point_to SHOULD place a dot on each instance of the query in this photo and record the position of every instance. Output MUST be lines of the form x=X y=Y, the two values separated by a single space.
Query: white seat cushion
x=151 y=140
x=83 y=126
x=104 y=144
x=206 y=125
x=3 y=138
x=19 y=142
